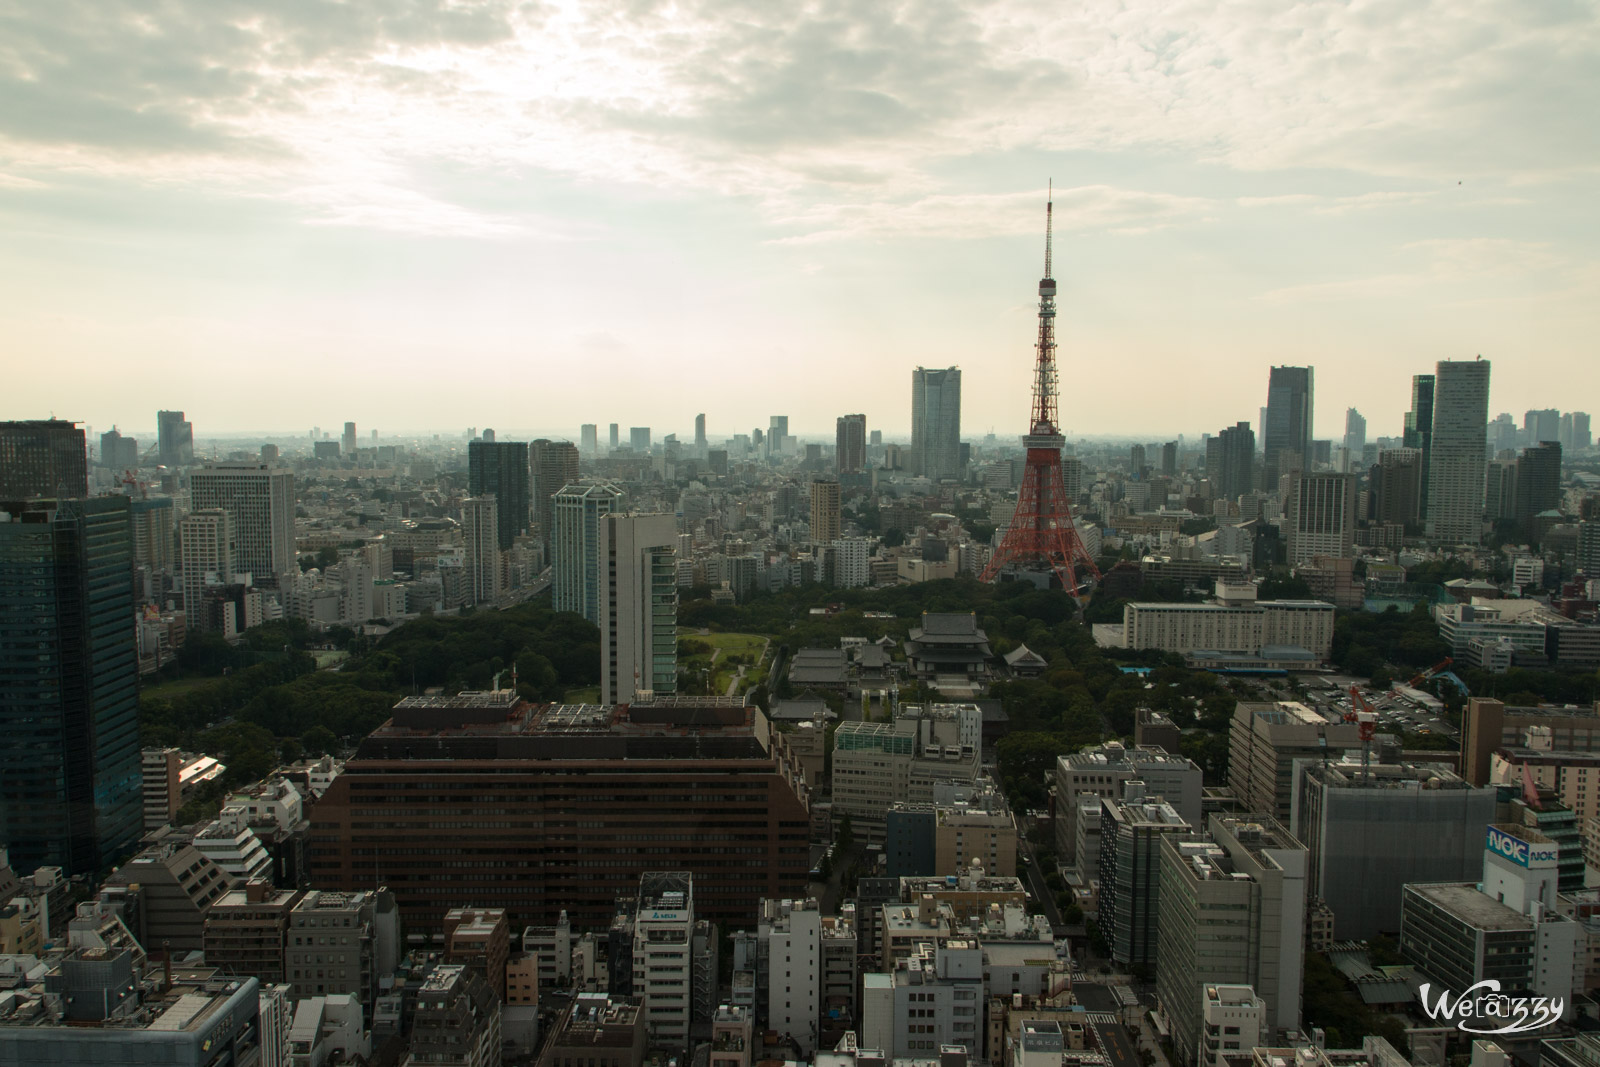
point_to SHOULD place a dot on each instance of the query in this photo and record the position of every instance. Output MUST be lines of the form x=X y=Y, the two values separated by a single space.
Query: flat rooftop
x=664 y=729
x=1476 y=909
x=1347 y=773
x=1291 y=713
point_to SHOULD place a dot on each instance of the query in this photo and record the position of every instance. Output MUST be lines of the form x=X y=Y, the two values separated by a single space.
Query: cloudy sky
x=429 y=214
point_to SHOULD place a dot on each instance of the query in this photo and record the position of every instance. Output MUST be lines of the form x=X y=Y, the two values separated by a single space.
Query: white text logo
x=1483 y=1006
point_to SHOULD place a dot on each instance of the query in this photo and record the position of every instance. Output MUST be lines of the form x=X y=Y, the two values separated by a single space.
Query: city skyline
x=848 y=192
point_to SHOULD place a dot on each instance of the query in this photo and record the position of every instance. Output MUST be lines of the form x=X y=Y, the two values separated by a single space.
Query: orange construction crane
x=1365 y=716
x=1442 y=665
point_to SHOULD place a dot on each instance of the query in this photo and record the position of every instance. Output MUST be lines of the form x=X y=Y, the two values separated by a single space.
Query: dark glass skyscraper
x=1230 y=458
x=70 y=784
x=1291 y=397
x=42 y=458
x=1538 y=484
x=500 y=469
x=1419 y=428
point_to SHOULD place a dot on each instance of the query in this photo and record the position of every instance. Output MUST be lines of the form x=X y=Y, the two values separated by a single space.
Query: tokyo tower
x=1041 y=530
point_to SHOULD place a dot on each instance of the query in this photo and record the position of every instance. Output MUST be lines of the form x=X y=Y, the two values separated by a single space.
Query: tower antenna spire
x=1049 y=223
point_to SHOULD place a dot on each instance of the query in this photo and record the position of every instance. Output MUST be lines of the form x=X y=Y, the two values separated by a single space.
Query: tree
x=319 y=741
x=846 y=835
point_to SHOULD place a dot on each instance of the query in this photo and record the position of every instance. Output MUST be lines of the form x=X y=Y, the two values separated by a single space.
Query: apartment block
x=1232 y=911
x=663 y=928
x=1102 y=772
x=341 y=943
x=246 y=931
x=1263 y=744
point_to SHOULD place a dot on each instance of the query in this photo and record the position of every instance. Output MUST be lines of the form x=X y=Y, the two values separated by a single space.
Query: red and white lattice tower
x=1041 y=530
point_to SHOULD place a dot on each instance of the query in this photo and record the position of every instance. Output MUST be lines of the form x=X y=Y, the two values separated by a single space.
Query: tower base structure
x=1042 y=533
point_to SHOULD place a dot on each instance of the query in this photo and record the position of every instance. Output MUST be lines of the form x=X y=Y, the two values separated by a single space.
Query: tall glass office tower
x=70 y=784
x=936 y=422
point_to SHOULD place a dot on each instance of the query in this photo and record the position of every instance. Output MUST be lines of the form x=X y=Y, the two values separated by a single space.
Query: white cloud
x=1450 y=269
x=812 y=109
x=988 y=215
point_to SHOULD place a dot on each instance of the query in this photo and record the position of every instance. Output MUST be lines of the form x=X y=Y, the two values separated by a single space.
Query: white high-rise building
x=794 y=970
x=1322 y=516
x=637 y=557
x=663 y=928
x=1457 y=463
x=852 y=562
x=479 y=516
x=259 y=500
x=205 y=555
x=936 y=422
x=575 y=544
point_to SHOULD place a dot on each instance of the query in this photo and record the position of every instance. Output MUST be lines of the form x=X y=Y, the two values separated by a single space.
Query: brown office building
x=487 y=799
x=1488 y=725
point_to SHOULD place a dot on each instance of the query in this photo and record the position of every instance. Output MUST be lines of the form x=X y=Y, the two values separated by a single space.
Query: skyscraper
x=1286 y=435
x=1543 y=424
x=1456 y=468
x=500 y=469
x=1538 y=485
x=1230 y=461
x=615 y=439
x=1355 y=438
x=1503 y=434
x=259 y=500
x=480 y=526
x=1136 y=461
x=850 y=443
x=205 y=553
x=639 y=438
x=1169 y=458
x=637 y=564
x=1419 y=428
x=575 y=546
x=1500 y=491
x=589 y=438
x=1396 y=484
x=43 y=458
x=777 y=435
x=70 y=778
x=1322 y=516
x=936 y=422
x=347 y=443
x=1579 y=433
x=174 y=439
x=555 y=464
x=700 y=431
x=824 y=512
x=118 y=452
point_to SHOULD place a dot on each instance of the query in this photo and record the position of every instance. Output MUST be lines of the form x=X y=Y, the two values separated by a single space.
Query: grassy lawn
x=168 y=690
x=733 y=644
x=746 y=647
x=589 y=694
